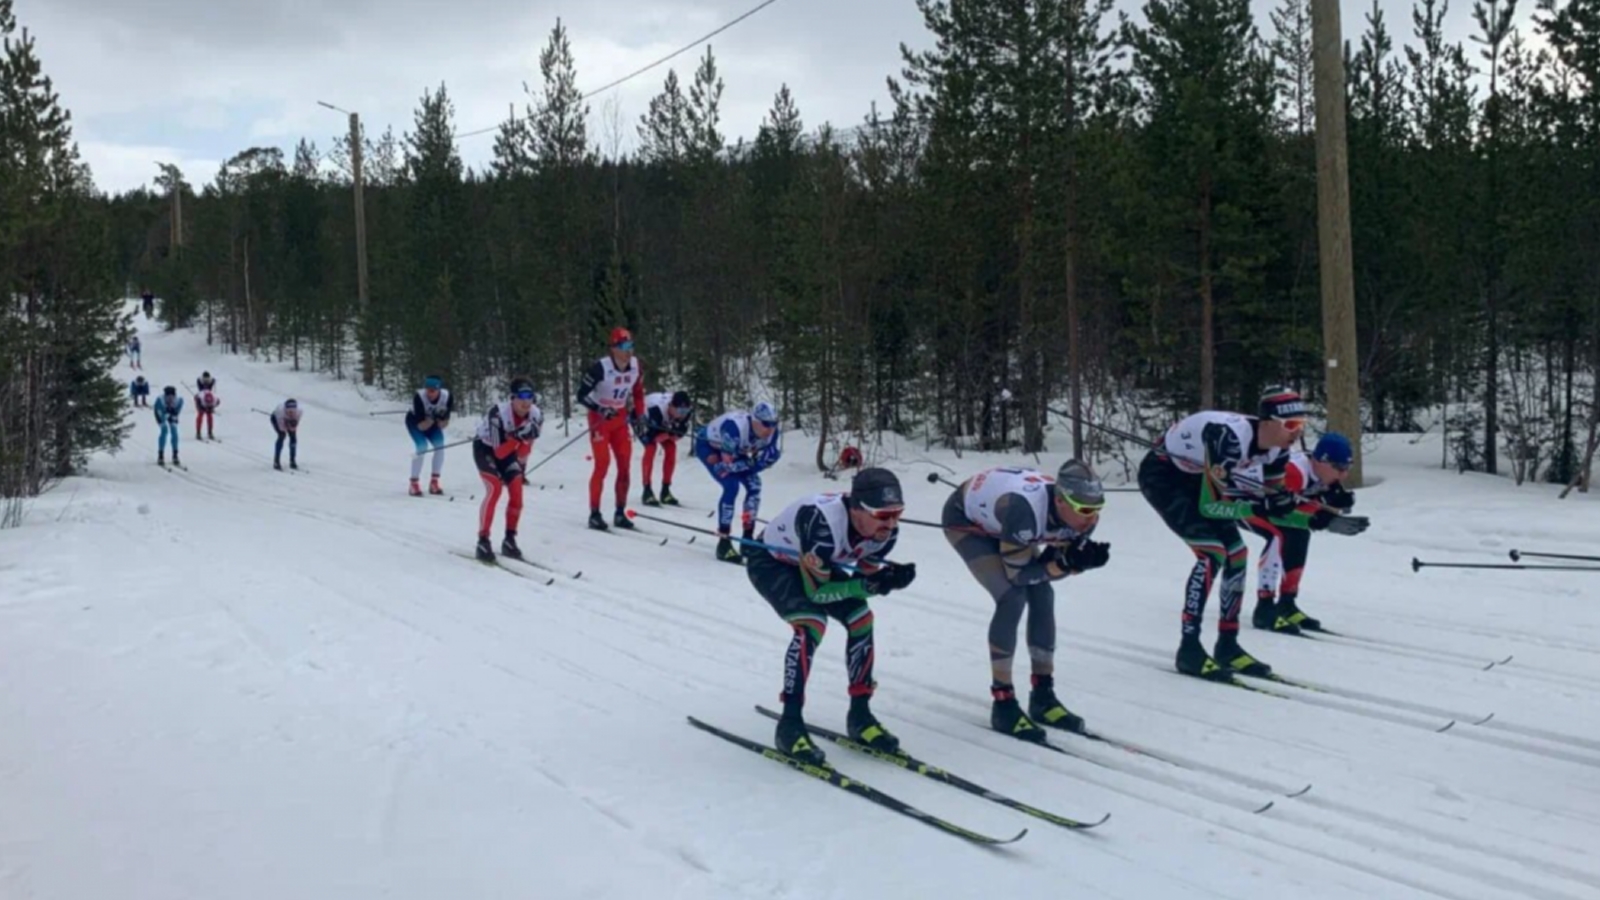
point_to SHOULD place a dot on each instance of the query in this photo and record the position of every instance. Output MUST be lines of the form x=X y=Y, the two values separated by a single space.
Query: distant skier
x=736 y=447
x=149 y=303
x=430 y=413
x=822 y=557
x=1188 y=478
x=613 y=391
x=139 y=390
x=1019 y=531
x=501 y=448
x=666 y=420
x=134 y=353
x=205 y=382
x=205 y=409
x=168 y=411
x=286 y=423
x=1317 y=479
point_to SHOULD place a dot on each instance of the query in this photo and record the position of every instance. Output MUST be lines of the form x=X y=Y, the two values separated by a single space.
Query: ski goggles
x=1293 y=425
x=623 y=345
x=1079 y=507
x=682 y=412
x=527 y=394
x=884 y=513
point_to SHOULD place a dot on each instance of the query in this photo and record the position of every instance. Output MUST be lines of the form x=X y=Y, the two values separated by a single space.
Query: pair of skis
x=904 y=761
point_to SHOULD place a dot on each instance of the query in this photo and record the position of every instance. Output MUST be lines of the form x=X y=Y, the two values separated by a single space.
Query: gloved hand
x=1338 y=497
x=511 y=471
x=607 y=413
x=1277 y=504
x=1085 y=555
x=892 y=577
x=1347 y=525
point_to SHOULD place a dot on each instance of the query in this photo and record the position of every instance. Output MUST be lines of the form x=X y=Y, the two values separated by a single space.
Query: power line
x=637 y=72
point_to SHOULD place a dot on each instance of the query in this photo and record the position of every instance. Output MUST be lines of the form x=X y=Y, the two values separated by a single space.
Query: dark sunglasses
x=523 y=395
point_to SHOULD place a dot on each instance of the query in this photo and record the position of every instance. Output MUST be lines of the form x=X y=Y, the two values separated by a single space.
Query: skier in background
x=1019 y=531
x=823 y=557
x=736 y=447
x=139 y=390
x=134 y=353
x=205 y=382
x=430 y=413
x=613 y=391
x=666 y=420
x=501 y=448
x=149 y=300
x=205 y=409
x=168 y=411
x=286 y=423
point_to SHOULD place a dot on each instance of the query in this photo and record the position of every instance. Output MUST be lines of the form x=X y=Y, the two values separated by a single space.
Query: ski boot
x=728 y=552
x=277 y=465
x=293 y=464
x=621 y=520
x=1232 y=657
x=485 y=550
x=865 y=729
x=649 y=497
x=1268 y=616
x=1193 y=660
x=161 y=458
x=597 y=521
x=508 y=546
x=433 y=486
x=1008 y=718
x=175 y=460
x=1289 y=612
x=793 y=739
x=666 y=496
x=416 y=488
x=1047 y=709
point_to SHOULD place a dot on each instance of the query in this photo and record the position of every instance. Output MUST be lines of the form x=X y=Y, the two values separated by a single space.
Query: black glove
x=607 y=413
x=892 y=577
x=1085 y=555
x=1322 y=518
x=511 y=470
x=1338 y=498
x=1348 y=525
x=1278 y=504
x=1051 y=554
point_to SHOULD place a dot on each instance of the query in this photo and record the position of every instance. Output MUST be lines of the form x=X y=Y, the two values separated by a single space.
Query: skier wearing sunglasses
x=1019 y=531
x=501 y=449
x=823 y=557
x=1194 y=478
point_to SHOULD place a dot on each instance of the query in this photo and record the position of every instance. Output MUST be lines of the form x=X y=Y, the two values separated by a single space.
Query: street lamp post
x=361 y=235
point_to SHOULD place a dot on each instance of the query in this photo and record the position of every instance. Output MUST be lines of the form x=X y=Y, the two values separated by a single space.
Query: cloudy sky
x=194 y=81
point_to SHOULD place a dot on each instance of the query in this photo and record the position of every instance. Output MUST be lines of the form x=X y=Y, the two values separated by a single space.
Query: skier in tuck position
x=504 y=440
x=613 y=390
x=1019 y=531
x=735 y=448
x=286 y=423
x=1317 y=480
x=430 y=413
x=1188 y=477
x=823 y=557
x=139 y=390
x=666 y=420
x=169 y=411
x=205 y=413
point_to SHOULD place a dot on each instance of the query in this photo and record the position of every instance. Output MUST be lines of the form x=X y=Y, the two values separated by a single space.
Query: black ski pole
x=635 y=514
x=390 y=412
x=1517 y=555
x=1417 y=565
x=936 y=478
x=575 y=438
x=444 y=446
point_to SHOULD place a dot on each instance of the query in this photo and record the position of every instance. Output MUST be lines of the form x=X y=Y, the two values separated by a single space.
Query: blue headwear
x=1334 y=449
x=433 y=382
x=764 y=413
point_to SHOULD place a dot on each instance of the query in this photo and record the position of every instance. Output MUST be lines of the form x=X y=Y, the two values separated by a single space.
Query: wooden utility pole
x=361 y=245
x=1333 y=231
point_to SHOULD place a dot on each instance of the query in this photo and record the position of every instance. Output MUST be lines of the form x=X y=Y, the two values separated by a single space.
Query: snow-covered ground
x=237 y=683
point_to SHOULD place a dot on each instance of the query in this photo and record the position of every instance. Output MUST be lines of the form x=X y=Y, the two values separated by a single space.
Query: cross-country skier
x=1188 y=478
x=823 y=557
x=666 y=420
x=149 y=301
x=135 y=353
x=430 y=413
x=504 y=440
x=139 y=390
x=286 y=422
x=205 y=382
x=613 y=391
x=205 y=409
x=168 y=411
x=1019 y=531
x=735 y=448
x=1317 y=478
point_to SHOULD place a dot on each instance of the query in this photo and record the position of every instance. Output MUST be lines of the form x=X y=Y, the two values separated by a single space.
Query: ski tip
x=1012 y=840
x=1447 y=726
x=1300 y=793
x=1506 y=660
x=663 y=542
x=1265 y=808
x=692 y=537
x=1484 y=720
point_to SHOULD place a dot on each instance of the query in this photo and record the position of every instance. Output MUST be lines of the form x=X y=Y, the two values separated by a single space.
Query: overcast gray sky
x=194 y=81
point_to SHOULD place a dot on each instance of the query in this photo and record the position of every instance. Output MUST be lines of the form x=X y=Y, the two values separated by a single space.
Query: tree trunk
x=1208 y=347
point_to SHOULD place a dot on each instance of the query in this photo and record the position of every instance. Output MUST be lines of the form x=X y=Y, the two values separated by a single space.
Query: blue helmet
x=1334 y=449
x=764 y=413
